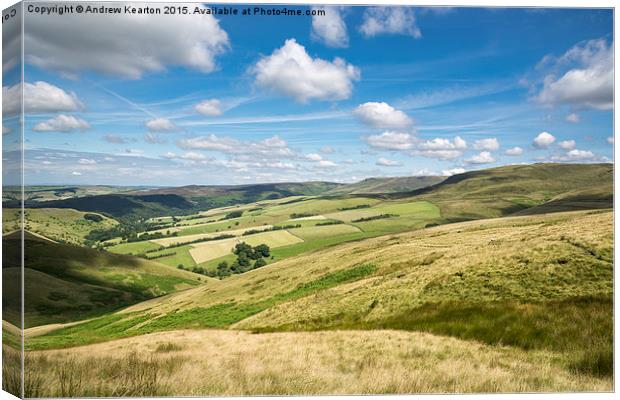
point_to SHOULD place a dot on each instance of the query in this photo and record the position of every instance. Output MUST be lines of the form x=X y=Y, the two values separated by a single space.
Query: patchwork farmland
x=289 y=224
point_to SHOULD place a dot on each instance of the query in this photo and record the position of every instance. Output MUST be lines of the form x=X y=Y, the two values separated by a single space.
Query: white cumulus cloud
x=273 y=147
x=382 y=115
x=610 y=140
x=441 y=148
x=291 y=71
x=39 y=97
x=61 y=123
x=567 y=144
x=313 y=157
x=389 y=20
x=514 y=151
x=589 y=80
x=391 y=141
x=133 y=45
x=490 y=144
x=211 y=108
x=160 y=125
x=444 y=144
x=543 y=140
x=330 y=28
x=483 y=158
x=576 y=154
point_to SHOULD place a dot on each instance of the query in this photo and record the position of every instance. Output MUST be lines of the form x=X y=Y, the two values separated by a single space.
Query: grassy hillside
x=534 y=282
x=250 y=193
x=184 y=200
x=46 y=193
x=387 y=185
x=511 y=189
x=65 y=225
x=229 y=363
x=123 y=206
x=66 y=283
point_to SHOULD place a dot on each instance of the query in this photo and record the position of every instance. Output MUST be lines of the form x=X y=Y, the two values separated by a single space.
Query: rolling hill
x=67 y=283
x=251 y=193
x=386 y=185
x=59 y=224
x=123 y=206
x=514 y=189
x=509 y=268
x=532 y=282
x=178 y=200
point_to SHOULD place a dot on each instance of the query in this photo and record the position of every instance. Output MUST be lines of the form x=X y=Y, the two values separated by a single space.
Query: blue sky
x=356 y=93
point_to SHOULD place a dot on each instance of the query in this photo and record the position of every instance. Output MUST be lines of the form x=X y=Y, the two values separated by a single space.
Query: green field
x=407 y=215
x=134 y=248
x=64 y=225
x=206 y=251
x=321 y=232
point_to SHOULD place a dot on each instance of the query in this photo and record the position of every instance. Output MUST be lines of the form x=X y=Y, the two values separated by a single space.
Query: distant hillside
x=47 y=193
x=121 y=205
x=68 y=283
x=262 y=191
x=181 y=200
x=387 y=185
x=522 y=189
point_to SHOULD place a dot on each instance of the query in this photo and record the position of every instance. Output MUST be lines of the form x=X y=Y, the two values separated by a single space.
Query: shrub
x=93 y=217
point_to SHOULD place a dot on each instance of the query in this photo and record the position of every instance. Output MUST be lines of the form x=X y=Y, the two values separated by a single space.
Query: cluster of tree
x=335 y=222
x=93 y=217
x=152 y=236
x=382 y=216
x=248 y=258
x=156 y=256
x=233 y=214
x=189 y=218
x=301 y=215
x=355 y=207
x=129 y=230
x=273 y=228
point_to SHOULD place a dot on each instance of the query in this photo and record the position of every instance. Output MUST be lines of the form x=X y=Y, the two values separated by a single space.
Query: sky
x=161 y=100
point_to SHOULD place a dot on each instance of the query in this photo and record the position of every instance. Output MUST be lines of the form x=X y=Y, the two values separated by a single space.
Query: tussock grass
x=80 y=375
x=581 y=329
x=168 y=347
x=338 y=362
x=11 y=371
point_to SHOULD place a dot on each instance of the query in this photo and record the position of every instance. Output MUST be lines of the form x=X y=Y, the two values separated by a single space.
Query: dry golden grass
x=211 y=362
x=521 y=258
x=499 y=259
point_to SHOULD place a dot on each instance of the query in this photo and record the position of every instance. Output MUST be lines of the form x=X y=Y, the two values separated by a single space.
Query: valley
x=507 y=269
